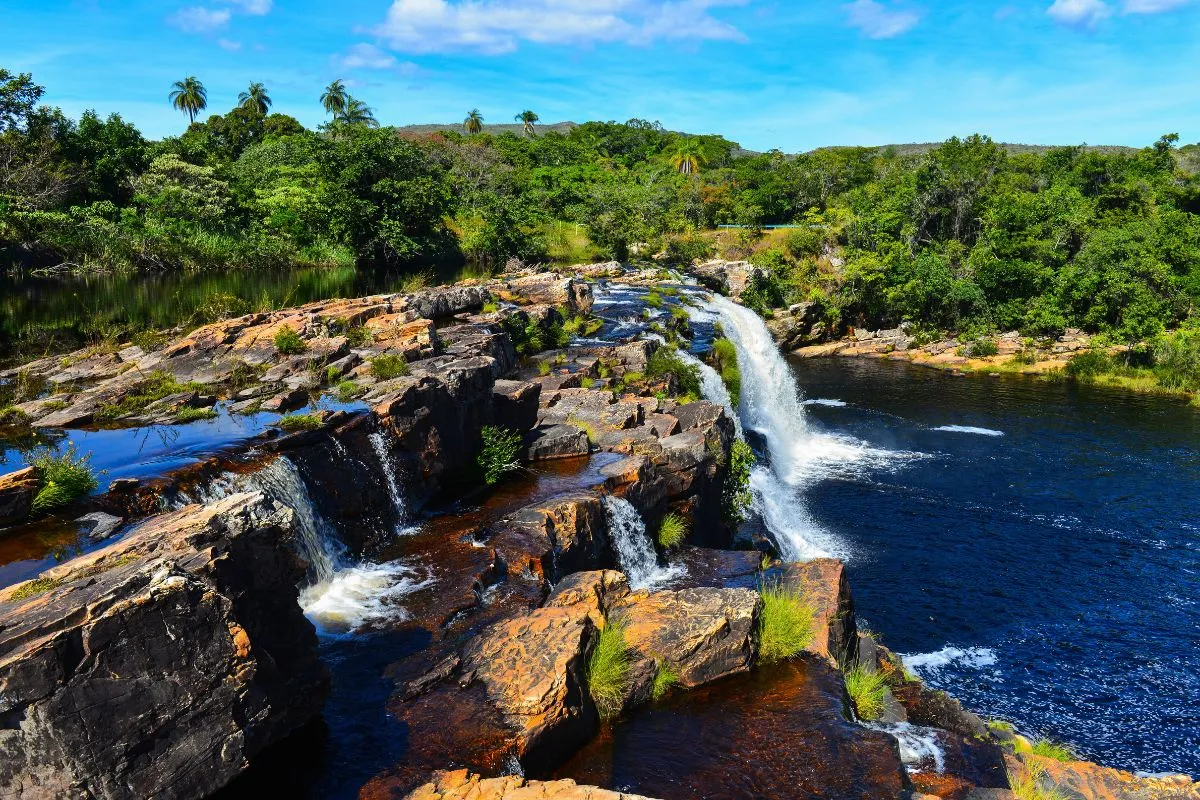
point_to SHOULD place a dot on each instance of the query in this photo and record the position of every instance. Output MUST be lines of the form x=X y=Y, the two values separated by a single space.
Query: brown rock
x=823 y=584
x=460 y=785
x=557 y=441
x=17 y=490
x=1083 y=780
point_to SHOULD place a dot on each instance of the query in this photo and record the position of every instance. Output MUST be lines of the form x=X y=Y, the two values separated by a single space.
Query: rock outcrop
x=158 y=666
x=822 y=582
x=461 y=785
x=17 y=490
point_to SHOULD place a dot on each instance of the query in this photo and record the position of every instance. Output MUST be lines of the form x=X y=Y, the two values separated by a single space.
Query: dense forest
x=966 y=235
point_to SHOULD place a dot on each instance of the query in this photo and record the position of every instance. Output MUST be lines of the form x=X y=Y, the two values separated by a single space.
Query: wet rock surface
x=463 y=786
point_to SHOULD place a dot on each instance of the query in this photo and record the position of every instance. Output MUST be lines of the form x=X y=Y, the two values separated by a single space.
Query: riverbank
x=502 y=600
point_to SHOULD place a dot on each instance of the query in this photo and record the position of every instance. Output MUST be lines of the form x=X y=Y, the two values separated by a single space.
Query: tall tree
x=688 y=156
x=189 y=96
x=256 y=99
x=334 y=98
x=474 y=121
x=527 y=118
x=356 y=112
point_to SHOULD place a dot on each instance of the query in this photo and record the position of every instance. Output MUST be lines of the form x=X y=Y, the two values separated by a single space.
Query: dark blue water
x=1050 y=575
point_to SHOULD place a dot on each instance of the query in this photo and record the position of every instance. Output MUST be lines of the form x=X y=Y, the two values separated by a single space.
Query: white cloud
x=499 y=26
x=365 y=56
x=229 y=44
x=1152 y=6
x=1079 y=13
x=195 y=19
x=877 y=21
x=255 y=8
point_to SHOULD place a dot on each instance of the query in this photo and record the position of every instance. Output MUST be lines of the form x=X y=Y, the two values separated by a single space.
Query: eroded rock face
x=727 y=277
x=1082 y=780
x=460 y=785
x=823 y=584
x=158 y=666
x=17 y=490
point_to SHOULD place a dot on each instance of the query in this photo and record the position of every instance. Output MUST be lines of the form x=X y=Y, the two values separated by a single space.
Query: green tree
x=189 y=96
x=174 y=190
x=19 y=96
x=688 y=155
x=335 y=98
x=255 y=98
x=474 y=121
x=357 y=112
x=527 y=119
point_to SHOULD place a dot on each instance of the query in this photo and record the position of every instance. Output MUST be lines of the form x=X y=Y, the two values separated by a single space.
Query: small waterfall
x=281 y=481
x=363 y=594
x=388 y=467
x=635 y=552
x=713 y=388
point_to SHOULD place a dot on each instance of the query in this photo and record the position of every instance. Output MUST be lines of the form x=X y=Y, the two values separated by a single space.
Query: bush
x=665 y=679
x=785 y=626
x=608 y=670
x=1088 y=364
x=724 y=360
x=666 y=362
x=62 y=478
x=500 y=454
x=867 y=689
x=736 y=498
x=982 y=348
x=672 y=531
x=804 y=242
x=684 y=250
x=1049 y=749
x=288 y=342
x=1177 y=360
x=388 y=366
x=300 y=422
x=358 y=336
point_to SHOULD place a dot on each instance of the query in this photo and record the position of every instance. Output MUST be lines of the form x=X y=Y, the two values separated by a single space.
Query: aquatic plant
x=608 y=670
x=867 y=689
x=300 y=422
x=665 y=679
x=388 y=366
x=500 y=454
x=62 y=478
x=672 y=531
x=785 y=626
x=288 y=342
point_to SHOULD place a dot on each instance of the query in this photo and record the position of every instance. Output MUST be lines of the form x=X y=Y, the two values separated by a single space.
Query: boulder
x=727 y=277
x=460 y=785
x=99 y=525
x=1082 y=780
x=17 y=490
x=823 y=584
x=446 y=301
x=515 y=404
x=159 y=665
x=556 y=441
x=569 y=533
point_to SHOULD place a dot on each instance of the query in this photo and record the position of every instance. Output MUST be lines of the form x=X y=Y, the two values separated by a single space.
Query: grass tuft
x=1030 y=786
x=785 y=627
x=33 y=588
x=867 y=689
x=386 y=367
x=64 y=477
x=500 y=454
x=347 y=391
x=194 y=414
x=608 y=670
x=288 y=342
x=156 y=386
x=672 y=531
x=300 y=422
x=1049 y=749
x=665 y=679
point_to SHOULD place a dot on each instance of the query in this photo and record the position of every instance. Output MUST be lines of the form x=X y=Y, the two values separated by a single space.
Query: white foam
x=969 y=429
x=920 y=748
x=635 y=552
x=821 y=401
x=928 y=664
x=360 y=595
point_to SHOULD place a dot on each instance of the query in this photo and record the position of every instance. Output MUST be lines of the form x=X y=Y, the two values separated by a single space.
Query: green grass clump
x=388 y=366
x=358 y=336
x=665 y=679
x=1049 y=749
x=288 y=342
x=654 y=299
x=586 y=382
x=34 y=588
x=587 y=427
x=666 y=362
x=63 y=477
x=672 y=531
x=867 y=689
x=347 y=391
x=725 y=361
x=1029 y=785
x=490 y=307
x=13 y=416
x=736 y=498
x=156 y=386
x=982 y=348
x=193 y=414
x=500 y=454
x=608 y=670
x=785 y=626
x=300 y=422
x=543 y=368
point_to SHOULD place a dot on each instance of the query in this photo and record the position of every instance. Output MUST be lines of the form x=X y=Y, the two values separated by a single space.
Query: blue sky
x=792 y=75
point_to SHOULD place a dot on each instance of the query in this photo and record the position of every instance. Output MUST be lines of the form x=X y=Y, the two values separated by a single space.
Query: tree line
x=964 y=236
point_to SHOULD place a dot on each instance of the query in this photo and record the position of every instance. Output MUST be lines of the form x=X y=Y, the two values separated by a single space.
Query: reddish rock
x=460 y=785
x=17 y=490
x=823 y=584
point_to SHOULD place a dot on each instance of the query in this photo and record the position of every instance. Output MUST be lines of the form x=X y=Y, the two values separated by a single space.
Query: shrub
x=725 y=361
x=684 y=250
x=804 y=242
x=982 y=348
x=1049 y=749
x=672 y=531
x=1177 y=360
x=867 y=689
x=500 y=454
x=608 y=670
x=736 y=498
x=666 y=362
x=415 y=282
x=1088 y=364
x=300 y=422
x=194 y=414
x=785 y=626
x=665 y=679
x=62 y=478
x=358 y=336
x=288 y=342
x=347 y=391
x=388 y=366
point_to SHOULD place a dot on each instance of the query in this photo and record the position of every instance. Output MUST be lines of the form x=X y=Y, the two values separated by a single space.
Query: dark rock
x=556 y=441
x=98 y=525
x=17 y=490
x=515 y=404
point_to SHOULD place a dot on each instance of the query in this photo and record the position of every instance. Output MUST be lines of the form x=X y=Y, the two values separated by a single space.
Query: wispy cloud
x=368 y=56
x=229 y=45
x=878 y=21
x=1079 y=13
x=500 y=26
x=255 y=8
x=196 y=19
x=1152 y=6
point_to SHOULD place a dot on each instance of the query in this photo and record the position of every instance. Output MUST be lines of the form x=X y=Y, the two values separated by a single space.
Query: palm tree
x=189 y=96
x=474 y=121
x=356 y=112
x=255 y=98
x=527 y=118
x=334 y=98
x=688 y=156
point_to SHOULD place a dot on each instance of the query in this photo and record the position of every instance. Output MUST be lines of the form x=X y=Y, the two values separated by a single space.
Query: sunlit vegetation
x=785 y=626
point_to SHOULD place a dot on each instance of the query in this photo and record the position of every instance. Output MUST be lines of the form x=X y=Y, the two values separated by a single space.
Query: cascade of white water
x=635 y=552
x=388 y=467
x=281 y=481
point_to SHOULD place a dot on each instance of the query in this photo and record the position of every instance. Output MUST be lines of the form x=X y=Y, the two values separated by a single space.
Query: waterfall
x=635 y=552
x=713 y=388
x=388 y=467
x=319 y=543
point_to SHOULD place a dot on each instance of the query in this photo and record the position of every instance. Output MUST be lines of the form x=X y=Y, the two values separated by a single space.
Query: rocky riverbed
x=175 y=651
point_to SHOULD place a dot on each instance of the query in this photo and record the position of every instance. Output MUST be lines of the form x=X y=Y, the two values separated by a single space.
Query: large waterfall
x=635 y=551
